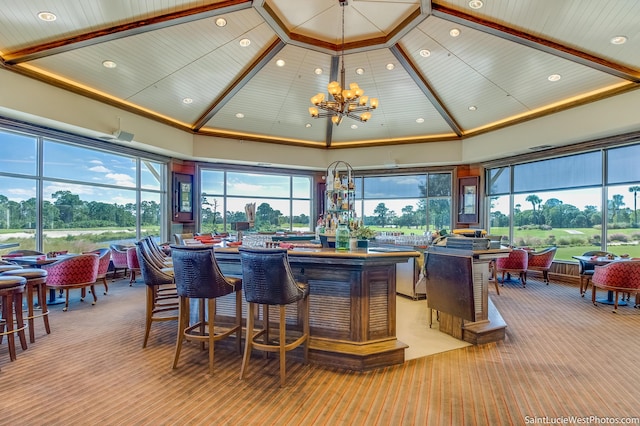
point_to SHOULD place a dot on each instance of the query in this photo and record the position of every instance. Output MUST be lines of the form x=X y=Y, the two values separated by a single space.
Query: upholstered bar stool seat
x=267 y=280
x=36 y=283
x=4 y=268
x=11 y=289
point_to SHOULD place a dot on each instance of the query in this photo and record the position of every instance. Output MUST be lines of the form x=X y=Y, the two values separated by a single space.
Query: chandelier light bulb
x=374 y=103
x=313 y=112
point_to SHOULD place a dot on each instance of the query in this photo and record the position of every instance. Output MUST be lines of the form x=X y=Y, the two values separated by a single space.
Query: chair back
x=80 y=269
x=621 y=274
x=542 y=259
x=586 y=266
x=197 y=274
x=154 y=253
x=104 y=258
x=119 y=255
x=267 y=277
x=132 y=258
x=151 y=273
x=518 y=259
x=179 y=238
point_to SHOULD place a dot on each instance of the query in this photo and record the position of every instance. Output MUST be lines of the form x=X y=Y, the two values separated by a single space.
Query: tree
x=66 y=202
x=381 y=211
x=614 y=204
x=535 y=202
x=635 y=190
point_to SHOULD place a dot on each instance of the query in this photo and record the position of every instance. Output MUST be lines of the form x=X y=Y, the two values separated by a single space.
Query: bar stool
x=198 y=277
x=36 y=282
x=268 y=280
x=11 y=289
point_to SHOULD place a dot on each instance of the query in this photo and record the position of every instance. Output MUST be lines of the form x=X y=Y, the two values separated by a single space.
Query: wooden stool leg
x=248 y=341
x=20 y=319
x=42 y=302
x=282 y=344
x=32 y=336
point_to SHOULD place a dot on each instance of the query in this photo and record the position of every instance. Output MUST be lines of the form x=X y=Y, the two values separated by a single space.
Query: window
x=282 y=202
x=85 y=197
x=568 y=202
x=411 y=204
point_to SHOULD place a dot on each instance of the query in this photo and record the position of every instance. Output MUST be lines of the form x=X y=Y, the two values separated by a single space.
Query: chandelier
x=346 y=102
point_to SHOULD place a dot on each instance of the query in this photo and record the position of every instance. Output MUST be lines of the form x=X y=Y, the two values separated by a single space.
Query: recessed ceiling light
x=390 y=66
x=354 y=126
x=280 y=62
x=318 y=71
x=425 y=53
x=359 y=71
x=419 y=120
x=187 y=101
x=47 y=16
x=475 y=4
x=109 y=64
x=245 y=42
x=307 y=125
x=239 y=115
x=454 y=32
x=619 y=40
x=554 y=77
x=473 y=108
x=221 y=22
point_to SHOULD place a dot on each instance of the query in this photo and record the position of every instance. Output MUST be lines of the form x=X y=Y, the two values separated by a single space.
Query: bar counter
x=352 y=303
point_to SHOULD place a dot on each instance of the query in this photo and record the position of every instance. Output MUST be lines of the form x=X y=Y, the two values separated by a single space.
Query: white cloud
x=120 y=179
x=99 y=169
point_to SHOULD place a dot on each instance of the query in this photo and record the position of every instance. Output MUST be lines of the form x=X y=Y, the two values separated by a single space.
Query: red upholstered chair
x=619 y=276
x=78 y=271
x=132 y=264
x=516 y=263
x=119 y=258
x=104 y=258
x=541 y=261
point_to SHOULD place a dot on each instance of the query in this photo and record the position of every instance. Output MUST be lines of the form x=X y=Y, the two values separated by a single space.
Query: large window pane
x=211 y=214
x=151 y=175
x=439 y=185
x=18 y=213
x=439 y=214
x=301 y=187
x=572 y=171
x=499 y=181
x=394 y=186
x=72 y=162
x=252 y=184
x=151 y=214
x=622 y=165
x=212 y=182
x=18 y=153
x=568 y=219
x=622 y=232
x=79 y=218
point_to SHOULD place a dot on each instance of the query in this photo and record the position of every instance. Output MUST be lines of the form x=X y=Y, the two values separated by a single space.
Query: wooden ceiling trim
x=240 y=82
x=537 y=43
x=125 y=30
x=426 y=88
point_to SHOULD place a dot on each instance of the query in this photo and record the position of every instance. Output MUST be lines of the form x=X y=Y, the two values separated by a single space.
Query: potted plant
x=364 y=234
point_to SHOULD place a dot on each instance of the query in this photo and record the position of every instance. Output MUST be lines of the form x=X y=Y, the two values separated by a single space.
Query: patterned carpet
x=562 y=357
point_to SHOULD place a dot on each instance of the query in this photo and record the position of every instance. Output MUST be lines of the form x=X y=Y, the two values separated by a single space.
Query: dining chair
x=541 y=261
x=104 y=259
x=515 y=263
x=267 y=280
x=119 y=258
x=198 y=278
x=78 y=271
x=622 y=276
x=586 y=269
x=133 y=264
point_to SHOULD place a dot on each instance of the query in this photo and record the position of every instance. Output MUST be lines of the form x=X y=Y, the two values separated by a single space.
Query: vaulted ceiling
x=442 y=70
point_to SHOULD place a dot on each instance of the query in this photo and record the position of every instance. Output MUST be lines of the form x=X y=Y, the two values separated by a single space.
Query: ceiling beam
x=534 y=42
x=239 y=83
x=125 y=30
x=426 y=88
